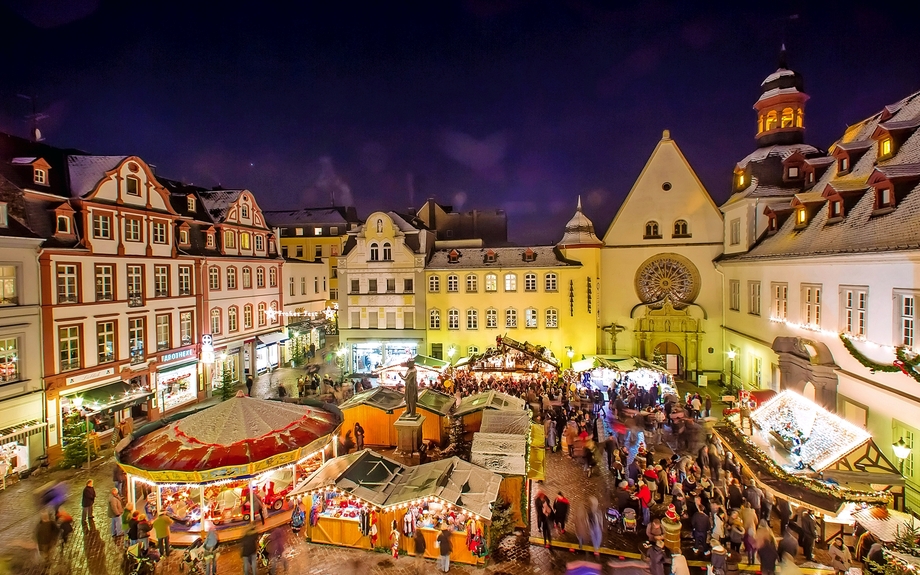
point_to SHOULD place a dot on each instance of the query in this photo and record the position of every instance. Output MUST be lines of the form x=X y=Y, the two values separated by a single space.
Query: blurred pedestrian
x=420 y=548
x=46 y=535
x=595 y=525
x=249 y=551
x=276 y=551
x=249 y=385
x=560 y=512
x=65 y=522
x=161 y=531
x=143 y=531
x=394 y=540
x=210 y=552
x=841 y=559
x=445 y=546
x=359 y=437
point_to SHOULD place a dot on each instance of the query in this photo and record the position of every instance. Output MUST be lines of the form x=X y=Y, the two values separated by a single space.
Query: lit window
x=793 y=172
x=771 y=121
x=244 y=241
x=185 y=280
x=530 y=318
x=317 y=231
x=210 y=240
x=8 y=286
x=510 y=282
x=843 y=164
x=40 y=176
x=741 y=180
x=67 y=283
x=190 y=203
x=69 y=348
x=885 y=147
x=787 y=120
x=105 y=341
x=491 y=282
x=105 y=283
x=229 y=240
x=836 y=209
x=800 y=216
x=186 y=328
x=161 y=281
x=884 y=197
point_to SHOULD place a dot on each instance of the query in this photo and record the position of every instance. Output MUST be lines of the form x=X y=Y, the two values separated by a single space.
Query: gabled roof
x=489 y=400
x=334 y=215
x=218 y=202
x=382 y=398
x=364 y=474
x=500 y=452
x=87 y=171
x=453 y=480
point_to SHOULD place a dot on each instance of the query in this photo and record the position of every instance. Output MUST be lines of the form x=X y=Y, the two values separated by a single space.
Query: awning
x=271 y=338
x=21 y=431
x=113 y=397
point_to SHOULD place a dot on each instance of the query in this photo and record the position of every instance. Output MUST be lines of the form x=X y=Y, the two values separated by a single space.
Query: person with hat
x=718 y=558
x=645 y=501
x=654 y=531
x=657 y=558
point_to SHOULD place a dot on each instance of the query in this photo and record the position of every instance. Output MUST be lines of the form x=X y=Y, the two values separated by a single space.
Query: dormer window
x=244 y=211
x=811 y=177
x=741 y=180
x=529 y=255
x=884 y=198
x=210 y=241
x=40 y=176
x=453 y=257
x=63 y=224
x=792 y=172
x=772 y=225
x=490 y=257
x=132 y=186
x=801 y=217
x=885 y=148
x=836 y=209
x=183 y=237
x=191 y=203
x=843 y=165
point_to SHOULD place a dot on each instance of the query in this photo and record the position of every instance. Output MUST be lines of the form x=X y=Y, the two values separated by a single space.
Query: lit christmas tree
x=74 y=436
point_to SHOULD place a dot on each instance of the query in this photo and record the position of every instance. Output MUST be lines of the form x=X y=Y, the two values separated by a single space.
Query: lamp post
x=731 y=369
x=902 y=452
x=571 y=353
x=340 y=361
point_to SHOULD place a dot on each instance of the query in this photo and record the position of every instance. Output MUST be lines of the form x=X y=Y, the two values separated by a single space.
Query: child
x=394 y=540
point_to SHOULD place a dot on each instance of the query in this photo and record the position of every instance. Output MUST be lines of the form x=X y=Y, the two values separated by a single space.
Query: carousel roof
x=453 y=480
x=489 y=400
x=236 y=432
x=380 y=397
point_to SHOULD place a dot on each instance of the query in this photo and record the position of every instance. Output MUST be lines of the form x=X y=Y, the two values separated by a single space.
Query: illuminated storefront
x=177 y=383
x=368 y=356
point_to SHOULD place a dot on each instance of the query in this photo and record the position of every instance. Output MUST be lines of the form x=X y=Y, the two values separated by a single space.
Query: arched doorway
x=807 y=367
x=674 y=361
x=809 y=391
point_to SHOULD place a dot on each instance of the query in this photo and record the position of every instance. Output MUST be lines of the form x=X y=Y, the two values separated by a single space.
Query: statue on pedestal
x=411 y=379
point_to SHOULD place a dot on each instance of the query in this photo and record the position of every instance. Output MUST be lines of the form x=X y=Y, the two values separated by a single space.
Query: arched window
x=232 y=324
x=491 y=282
x=550 y=282
x=379 y=226
x=760 y=124
x=261 y=314
x=771 y=121
x=387 y=251
x=260 y=277
x=231 y=277
x=680 y=228
x=375 y=252
x=244 y=211
x=214 y=278
x=274 y=311
x=434 y=284
x=799 y=118
x=511 y=318
x=787 y=120
x=273 y=277
x=552 y=318
x=247 y=316
x=651 y=230
x=453 y=319
x=510 y=282
x=530 y=282
x=472 y=283
x=491 y=318
x=247 y=278
x=434 y=319
x=452 y=283
x=215 y=321
x=230 y=239
x=472 y=319
x=530 y=317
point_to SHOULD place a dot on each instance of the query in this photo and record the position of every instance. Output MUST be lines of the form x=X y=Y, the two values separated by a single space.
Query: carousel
x=228 y=464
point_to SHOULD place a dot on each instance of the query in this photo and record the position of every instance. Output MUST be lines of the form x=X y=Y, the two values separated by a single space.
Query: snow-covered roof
x=512 y=422
x=500 y=452
x=781 y=72
x=87 y=171
x=453 y=480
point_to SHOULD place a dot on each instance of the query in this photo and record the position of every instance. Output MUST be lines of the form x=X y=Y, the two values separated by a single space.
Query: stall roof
x=381 y=397
x=826 y=437
x=114 y=397
x=512 y=422
x=500 y=452
x=453 y=480
x=421 y=361
x=364 y=474
x=489 y=400
x=884 y=523
x=436 y=401
x=615 y=362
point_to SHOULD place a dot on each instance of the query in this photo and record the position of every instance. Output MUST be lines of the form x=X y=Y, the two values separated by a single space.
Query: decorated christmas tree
x=226 y=385
x=658 y=358
x=75 y=446
x=458 y=446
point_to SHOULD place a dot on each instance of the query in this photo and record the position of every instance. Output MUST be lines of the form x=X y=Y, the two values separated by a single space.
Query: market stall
x=428 y=369
x=505 y=454
x=210 y=467
x=604 y=372
x=511 y=357
x=471 y=407
x=452 y=494
x=436 y=407
x=376 y=410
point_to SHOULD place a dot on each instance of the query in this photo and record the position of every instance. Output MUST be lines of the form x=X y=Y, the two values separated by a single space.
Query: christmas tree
x=226 y=385
x=75 y=446
x=458 y=446
x=658 y=358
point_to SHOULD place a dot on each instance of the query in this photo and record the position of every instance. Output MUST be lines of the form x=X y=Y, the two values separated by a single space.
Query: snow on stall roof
x=513 y=422
x=460 y=483
x=500 y=452
x=241 y=418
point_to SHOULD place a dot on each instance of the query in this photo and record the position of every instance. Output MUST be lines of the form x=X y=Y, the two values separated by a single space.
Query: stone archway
x=807 y=367
x=674 y=359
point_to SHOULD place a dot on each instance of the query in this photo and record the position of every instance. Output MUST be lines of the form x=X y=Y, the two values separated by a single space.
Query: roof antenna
x=34 y=117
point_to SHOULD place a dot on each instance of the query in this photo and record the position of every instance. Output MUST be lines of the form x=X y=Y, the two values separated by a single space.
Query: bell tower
x=781 y=107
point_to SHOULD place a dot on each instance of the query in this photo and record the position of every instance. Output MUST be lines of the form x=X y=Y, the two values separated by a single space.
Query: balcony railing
x=67 y=298
x=70 y=364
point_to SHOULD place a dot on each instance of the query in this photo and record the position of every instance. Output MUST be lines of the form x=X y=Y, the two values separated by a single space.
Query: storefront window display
x=366 y=357
x=176 y=386
x=14 y=457
x=433 y=514
x=341 y=505
x=399 y=352
x=226 y=363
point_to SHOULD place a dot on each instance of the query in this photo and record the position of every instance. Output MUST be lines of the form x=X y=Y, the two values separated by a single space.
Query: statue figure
x=410 y=378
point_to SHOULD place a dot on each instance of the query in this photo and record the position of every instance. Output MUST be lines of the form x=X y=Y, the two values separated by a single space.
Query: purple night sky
x=481 y=104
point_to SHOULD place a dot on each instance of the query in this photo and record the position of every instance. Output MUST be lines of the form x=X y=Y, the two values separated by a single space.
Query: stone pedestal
x=409 y=433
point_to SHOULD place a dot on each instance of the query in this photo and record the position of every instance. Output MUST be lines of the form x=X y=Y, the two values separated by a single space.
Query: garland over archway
x=907 y=362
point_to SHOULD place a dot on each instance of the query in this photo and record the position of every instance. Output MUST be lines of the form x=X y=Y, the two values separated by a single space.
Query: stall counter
x=460 y=554
x=339 y=531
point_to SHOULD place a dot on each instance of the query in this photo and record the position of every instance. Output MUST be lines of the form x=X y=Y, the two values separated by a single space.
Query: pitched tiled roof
x=469 y=258
x=218 y=202
x=306 y=216
x=86 y=171
x=783 y=151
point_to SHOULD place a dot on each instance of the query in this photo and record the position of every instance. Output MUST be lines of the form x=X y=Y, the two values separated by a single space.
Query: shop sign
x=207 y=348
x=90 y=376
x=166 y=357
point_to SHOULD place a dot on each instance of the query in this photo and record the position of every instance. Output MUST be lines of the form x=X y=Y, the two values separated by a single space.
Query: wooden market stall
x=376 y=410
x=436 y=407
x=452 y=494
x=427 y=369
x=505 y=454
x=471 y=407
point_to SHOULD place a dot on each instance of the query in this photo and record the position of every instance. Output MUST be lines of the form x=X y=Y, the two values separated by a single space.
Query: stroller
x=263 y=550
x=140 y=561
x=193 y=557
x=629 y=520
x=614 y=519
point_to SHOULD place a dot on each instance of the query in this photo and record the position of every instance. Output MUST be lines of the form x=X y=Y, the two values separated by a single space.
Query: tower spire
x=782 y=57
x=578 y=207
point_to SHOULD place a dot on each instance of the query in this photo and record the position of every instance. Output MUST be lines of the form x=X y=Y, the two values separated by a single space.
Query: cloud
x=480 y=155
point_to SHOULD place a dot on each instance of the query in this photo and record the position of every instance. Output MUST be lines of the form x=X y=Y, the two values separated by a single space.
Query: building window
x=105 y=341
x=247 y=278
x=298 y=231
x=391 y=285
x=8 y=286
x=183 y=237
x=510 y=282
x=651 y=230
x=136 y=344
x=681 y=229
x=757 y=372
x=530 y=318
x=132 y=230
x=472 y=350
x=102 y=227
x=214 y=278
x=229 y=240
x=434 y=319
x=190 y=203
x=907 y=320
x=40 y=176
x=272 y=277
x=4 y=215
x=552 y=318
x=298 y=251
x=792 y=172
x=884 y=148
x=372 y=286
x=855 y=302
x=291 y=285
x=231 y=278
x=472 y=283
x=135 y=286
x=387 y=252
x=843 y=165
x=260 y=278
x=453 y=319
x=780 y=297
x=453 y=283
x=836 y=208
x=260 y=245
x=185 y=280
x=734 y=290
x=159 y=233
x=472 y=319
x=69 y=347
x=132 y=186
x=884 y=198
x=491 y=282
x=735 y=232
x=490 y=257
x=434 y=284
x=105 y=278
x=67 y=283
x=186 y=329
x=408 y=285
x=355 y=286
x=209 y=241
x=754 y=296
x=247 y=316
x=161 y=281
x=530 y=282
x=303 y=286
x=244 y=241
x=261 y=314
x=334 y=295
x=510 y=318
x=375 y=252
x=550 y=282
x=244 y=211
x=232 y=319
x=215 y=321
x=163 y=333
x=63 y=225
x=9 y=359
x=811 y=298
x=491 y=318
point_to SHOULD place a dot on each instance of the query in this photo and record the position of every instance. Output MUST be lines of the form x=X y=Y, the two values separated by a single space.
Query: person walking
x=841 y=559
x=89 y=498
x=560 y=512
x=595 y=528
x=65 y=522
x=115 y=510
x=657 y=557
x=275 y=547
x=249 y=385
x=420 y=548
x=544 y=512
x=118 y=478
x=210 y=552
x=161 y=531
x=132 y=528
x=445 y=546
x=258 y=506
x=359 y=437
x=126 y=512
x=249 y=551
x=766 y=551
x=46 y=536
x=394 y=539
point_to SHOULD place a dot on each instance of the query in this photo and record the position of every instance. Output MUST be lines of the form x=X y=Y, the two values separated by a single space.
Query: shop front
x=23 y=423
x=368 y=356
x=267 y=350
x=227 y=363
x=15 y=447
x=177 y=380
x=103 y=407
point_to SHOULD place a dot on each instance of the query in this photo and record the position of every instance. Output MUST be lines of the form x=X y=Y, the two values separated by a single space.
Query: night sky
x=504 y=104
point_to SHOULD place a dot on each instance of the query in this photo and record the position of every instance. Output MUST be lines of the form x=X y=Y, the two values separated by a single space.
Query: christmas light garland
x=906 y=362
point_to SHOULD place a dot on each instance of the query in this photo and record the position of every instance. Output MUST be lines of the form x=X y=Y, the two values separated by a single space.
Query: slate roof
x=20 y=174
x=512 y=257
x=86 y=172
x=218 y=202
x=861 y=230
x=781 y=151
x=336 y=215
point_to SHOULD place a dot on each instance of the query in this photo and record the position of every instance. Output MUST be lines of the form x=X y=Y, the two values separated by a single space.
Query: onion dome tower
x=781 y=107
x=579 y=232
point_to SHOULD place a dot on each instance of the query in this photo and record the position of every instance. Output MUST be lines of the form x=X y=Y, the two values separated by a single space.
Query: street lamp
x=902 y=452
x=731 y=369
x=451 y=351
x=571 y=353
